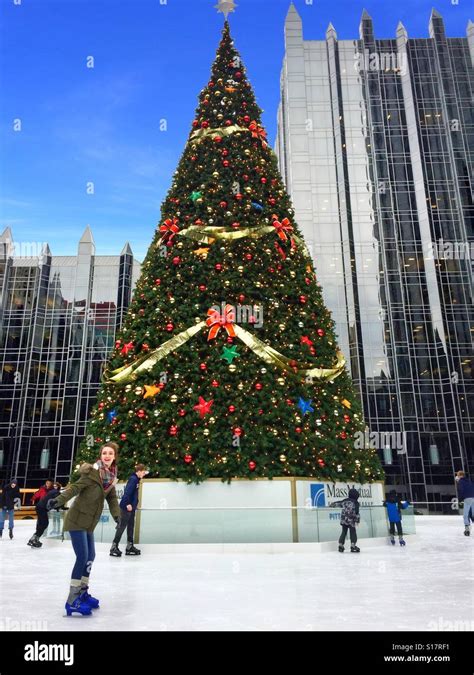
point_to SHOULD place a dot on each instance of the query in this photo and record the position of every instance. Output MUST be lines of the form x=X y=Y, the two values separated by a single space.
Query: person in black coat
x=128 y=507
x=43 y=515
x=10 y=492
x=349 y=519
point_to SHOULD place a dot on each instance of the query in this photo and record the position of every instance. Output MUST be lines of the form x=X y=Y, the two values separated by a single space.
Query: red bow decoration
x=283 y=227
x=217 y=321
x=258 y=132
x=169 y=229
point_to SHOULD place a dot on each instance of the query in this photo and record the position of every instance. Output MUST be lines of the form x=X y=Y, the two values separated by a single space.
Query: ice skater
x=42 y=522
x=349 y=519
x=128 y=507
x=466 y=495
x=96 y=483
x=10 y=492
x=394 y=506
x=42 y=492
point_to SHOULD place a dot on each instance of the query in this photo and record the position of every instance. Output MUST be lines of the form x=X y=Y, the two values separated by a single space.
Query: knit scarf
x=107 y=475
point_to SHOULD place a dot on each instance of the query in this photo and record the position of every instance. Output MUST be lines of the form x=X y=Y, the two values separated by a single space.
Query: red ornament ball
x=202 y=366
x=303 y=299
x=217 y=139
x=202 y=288
x=231 y=408
x=238 y=431
x=176 y=260
x=182 y=412
x=223 y=205
x=241 y=297
x=218 y=267
x=157 y=282
x=238 y=75
x=188 y=459
x=173 y=430
x=298 y=430
x=246 y=118
x=101 y=405
x=347 y=419
x=258 y=386
x=320 y=332
x=205 y=124
x=214 y=383
x=343 y=434
x=321 y=462
x=248 y=256
x=169 y=327
x=226 y=163
x=141 y=413
x=123 y=437
x=252 y=465
x=195 y=123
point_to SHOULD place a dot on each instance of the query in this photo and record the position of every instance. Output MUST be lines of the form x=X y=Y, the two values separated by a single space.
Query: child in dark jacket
x=394 y=506
x=128 y=507
x=10 y=492
x=349 y=519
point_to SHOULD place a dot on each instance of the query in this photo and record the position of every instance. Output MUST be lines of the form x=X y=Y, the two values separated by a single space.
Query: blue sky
x=102 y=124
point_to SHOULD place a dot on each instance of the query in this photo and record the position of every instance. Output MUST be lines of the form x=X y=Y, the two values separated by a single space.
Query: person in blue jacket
x=466 y=495
x=394 y=506
x=128 y=507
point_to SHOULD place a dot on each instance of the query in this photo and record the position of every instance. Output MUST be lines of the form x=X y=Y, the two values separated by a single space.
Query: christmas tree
x=227 y=363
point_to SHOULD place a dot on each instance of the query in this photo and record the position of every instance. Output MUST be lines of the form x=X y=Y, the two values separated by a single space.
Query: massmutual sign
x=325 y=494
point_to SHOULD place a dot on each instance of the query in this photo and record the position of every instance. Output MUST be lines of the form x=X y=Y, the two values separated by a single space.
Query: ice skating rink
x=425 y=586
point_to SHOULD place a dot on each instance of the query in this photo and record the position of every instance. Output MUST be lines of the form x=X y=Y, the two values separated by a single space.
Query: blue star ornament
x=305 y=406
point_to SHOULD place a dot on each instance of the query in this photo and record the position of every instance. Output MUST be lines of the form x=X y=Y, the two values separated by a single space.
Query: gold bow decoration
x=129 y=373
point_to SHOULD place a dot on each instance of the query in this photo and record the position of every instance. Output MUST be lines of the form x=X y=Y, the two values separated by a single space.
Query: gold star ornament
x=226 y=7
x=151 y=390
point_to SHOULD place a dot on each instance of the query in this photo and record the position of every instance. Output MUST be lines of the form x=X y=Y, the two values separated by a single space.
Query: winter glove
x=117 y=519
x=52 y=504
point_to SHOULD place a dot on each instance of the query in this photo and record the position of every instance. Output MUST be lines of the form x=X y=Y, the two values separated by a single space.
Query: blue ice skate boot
x=88 y=599
x=78 y=606
x=402 y=542
x=392 y=541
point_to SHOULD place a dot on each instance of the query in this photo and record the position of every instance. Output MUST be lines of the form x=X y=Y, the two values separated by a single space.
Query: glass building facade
x=375 y=141
x=58 y=320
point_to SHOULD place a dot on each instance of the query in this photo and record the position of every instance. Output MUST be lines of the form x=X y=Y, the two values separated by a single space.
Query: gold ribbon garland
x=129 y=373
x=199 y=134
x=209 y=233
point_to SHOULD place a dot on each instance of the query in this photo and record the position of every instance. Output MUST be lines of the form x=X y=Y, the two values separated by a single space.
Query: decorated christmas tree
x=227 y=363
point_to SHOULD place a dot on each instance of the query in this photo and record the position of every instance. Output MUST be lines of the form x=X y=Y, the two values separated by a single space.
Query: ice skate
x=355 y=549
x=115 y=551
x=340 y=548
x=467 y=531
x=131 y=550
x=88 y=599
x=402 y=542
x=78 y=606
x=392 y=541
x=10 y=532
x=35 y=542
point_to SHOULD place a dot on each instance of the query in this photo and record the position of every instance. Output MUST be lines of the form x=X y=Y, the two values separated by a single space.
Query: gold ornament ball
x=240 y=386
x=176 y=376
x=281 y=381
x=206 y=432
x=179 y=244
x=173 y=398
x=156 y=412
x=247 y=152
x=212 y=420
x=275 y=432
x=248 y=189
x=215 y=174
x=190 y=390
x=263 y=370
x=172 y=301
x=197 y=319
x=224 y=460
x=282 y=458
x=128 y=387
x=240 y=269
x=292 y=274
x=138 y=391
x=258 y=284
x=227 y=282
x=149 y=432
x=281 y=326
x=232 y=367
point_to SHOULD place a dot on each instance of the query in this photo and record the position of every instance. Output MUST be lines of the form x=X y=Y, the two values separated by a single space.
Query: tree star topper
x=226 y=7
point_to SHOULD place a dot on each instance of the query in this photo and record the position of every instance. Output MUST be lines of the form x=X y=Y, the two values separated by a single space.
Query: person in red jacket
x=42 y=492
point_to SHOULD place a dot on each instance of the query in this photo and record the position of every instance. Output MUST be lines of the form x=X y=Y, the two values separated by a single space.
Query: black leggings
x=352 y=534
x=43 y=521
x=399 y=528
x=127 y=520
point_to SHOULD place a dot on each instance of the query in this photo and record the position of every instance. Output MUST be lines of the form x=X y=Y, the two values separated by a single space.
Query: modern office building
x=59 y=316
x=375 y=141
